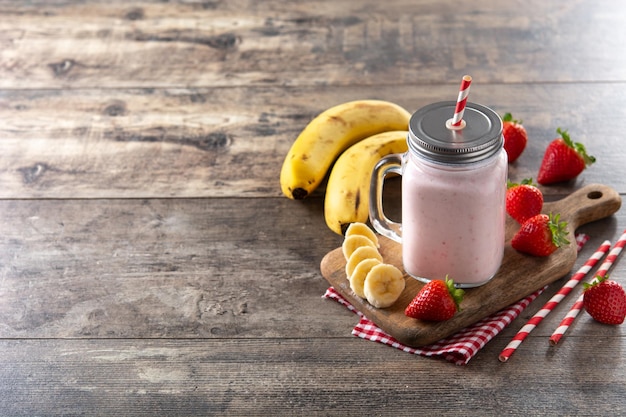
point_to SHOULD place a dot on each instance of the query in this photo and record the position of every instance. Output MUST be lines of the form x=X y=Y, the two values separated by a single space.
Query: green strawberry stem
x=595 y=281
x=577 y=146
x=525 y=181
x=456 y=293
x=558 y=230
x=508 y=117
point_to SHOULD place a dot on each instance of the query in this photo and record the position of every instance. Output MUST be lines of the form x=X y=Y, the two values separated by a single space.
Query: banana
x=362 y=253
x=358 y=228
x=357 y=279
x=329 y=134
x=347 y=190
x=383 y=285
x=354 y=242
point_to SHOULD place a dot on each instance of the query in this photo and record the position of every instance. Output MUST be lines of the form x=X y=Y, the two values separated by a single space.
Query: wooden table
x=149 y=264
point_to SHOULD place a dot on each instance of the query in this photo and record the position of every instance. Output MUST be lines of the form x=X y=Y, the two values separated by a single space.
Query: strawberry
x=515 y=137
x=540 y=235
x=437 y=301
x=605 y=300
x=523 y=200
x=563 y=160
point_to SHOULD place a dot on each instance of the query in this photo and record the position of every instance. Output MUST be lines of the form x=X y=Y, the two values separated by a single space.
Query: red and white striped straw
x=556 y=299
x=461 y=101
x=578 y=305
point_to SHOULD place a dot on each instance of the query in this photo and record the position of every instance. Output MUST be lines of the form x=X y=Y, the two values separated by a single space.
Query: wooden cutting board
x=518 y=276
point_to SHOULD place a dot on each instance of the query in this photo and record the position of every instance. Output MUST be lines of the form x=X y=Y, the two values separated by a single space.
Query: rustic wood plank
x=303 y=376
x=237 y=43
x=179 y=268
x=231 y=142
x=165 y=268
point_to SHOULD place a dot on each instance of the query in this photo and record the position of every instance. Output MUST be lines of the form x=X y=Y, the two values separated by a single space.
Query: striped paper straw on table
x=554 y=301
x=461 y=101
x=578 y=305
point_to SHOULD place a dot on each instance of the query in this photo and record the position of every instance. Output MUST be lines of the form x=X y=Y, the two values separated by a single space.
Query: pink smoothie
x=450 y=223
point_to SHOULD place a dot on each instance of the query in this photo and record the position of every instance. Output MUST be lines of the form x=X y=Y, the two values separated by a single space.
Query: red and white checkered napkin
x=461 y=346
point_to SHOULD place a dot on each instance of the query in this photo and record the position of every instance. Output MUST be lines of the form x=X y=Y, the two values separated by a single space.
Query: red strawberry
x=540 y=235
x=436 y=301
x=523 y=200
x=515 y=137
x=563 y=160
x=605 y=300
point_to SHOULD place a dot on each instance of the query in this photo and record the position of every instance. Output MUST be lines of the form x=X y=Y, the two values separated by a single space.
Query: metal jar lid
x=479 y=139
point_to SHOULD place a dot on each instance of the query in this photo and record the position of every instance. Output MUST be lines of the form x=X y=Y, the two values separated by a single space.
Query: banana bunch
x=366 y=130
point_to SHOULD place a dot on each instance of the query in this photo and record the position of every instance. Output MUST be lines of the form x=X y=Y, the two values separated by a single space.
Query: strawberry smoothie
x=453 y=220
x=453 y=195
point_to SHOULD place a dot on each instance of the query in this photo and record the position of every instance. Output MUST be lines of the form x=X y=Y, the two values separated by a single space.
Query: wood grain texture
x=302 y=376
x=231 y=142
x=235 y=43
x=162 y=268
x=181 y=268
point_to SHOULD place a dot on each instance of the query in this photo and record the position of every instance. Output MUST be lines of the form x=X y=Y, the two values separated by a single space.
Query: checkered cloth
x=461 y=346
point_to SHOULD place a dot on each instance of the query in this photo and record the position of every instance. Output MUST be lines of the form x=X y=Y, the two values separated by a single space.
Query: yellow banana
x=357 y=279
x=361 y=229
x=383 y=285
x=347 y=191
x=352 y=243
x=329 y=134
x=359 y=255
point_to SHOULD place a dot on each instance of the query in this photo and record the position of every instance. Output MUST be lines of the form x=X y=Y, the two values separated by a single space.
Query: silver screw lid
x=479 y=139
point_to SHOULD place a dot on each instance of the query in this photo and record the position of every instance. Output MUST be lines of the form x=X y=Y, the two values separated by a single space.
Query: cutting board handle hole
x=594 y=195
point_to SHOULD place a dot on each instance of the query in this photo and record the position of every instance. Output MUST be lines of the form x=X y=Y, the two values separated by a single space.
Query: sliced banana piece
x=361 y=229
x=357 y=279
x=383 y=285
x=352 y=243
x=360 y=254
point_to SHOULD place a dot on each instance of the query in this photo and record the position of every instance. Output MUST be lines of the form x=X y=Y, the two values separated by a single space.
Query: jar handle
x=391 y=163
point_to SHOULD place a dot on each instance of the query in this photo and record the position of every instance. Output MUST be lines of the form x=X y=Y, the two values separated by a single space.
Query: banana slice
x=360 y=254
x=361 y=229
x=357 y=279
x=383 y=285
x=352 y=243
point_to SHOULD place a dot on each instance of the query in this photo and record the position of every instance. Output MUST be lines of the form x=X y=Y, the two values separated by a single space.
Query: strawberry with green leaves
x=541 y=235
x=563 y=160
x=437 y=301
x=523 y=200
x=515 y=137
x=605 y=300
